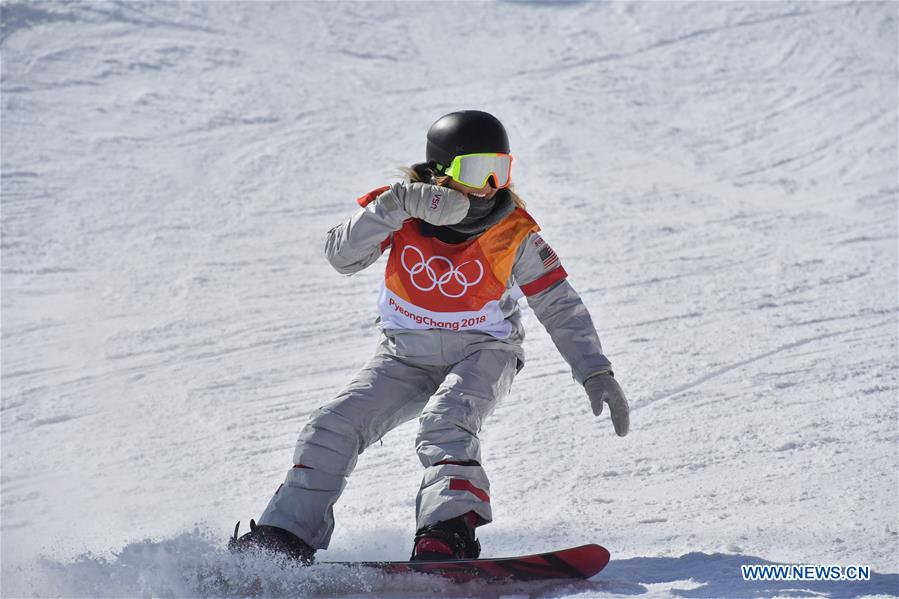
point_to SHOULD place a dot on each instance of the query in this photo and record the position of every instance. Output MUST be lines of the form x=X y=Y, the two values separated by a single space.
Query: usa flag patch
x=546 y=253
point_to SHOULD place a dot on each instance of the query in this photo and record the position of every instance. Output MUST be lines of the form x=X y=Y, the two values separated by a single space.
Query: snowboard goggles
x=473 y=170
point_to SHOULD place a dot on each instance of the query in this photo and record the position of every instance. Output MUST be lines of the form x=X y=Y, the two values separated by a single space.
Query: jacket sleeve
x=359 y=241
x=541 y=277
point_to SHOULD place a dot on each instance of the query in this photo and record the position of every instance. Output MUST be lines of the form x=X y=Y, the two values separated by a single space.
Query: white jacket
x=536 y=274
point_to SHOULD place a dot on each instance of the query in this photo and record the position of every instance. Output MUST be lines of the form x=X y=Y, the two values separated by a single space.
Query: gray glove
x=431 y=203
x=603 y=388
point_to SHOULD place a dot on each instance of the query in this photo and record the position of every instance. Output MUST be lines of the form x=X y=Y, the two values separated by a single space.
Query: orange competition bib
x=430 y=284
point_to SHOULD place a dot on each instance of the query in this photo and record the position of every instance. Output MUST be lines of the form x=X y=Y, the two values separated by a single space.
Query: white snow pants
x=451 y=400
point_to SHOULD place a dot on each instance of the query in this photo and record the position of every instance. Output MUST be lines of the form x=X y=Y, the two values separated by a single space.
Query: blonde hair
x=414 y=174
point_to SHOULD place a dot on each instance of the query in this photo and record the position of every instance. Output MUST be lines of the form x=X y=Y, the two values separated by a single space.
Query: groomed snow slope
x=720 y=180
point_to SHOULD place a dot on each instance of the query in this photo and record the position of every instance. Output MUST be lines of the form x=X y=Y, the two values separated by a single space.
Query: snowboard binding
x=451 y=539
x=273 y=539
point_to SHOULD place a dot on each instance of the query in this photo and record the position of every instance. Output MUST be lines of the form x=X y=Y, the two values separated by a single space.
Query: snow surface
x=720 y=180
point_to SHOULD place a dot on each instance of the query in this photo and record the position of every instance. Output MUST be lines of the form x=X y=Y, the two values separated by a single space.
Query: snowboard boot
x=451 y=539
x=274 y=539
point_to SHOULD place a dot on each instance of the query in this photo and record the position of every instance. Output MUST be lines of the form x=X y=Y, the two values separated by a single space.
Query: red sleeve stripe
x=370 y=196
x=387 y=242
x=460 y=484
x=544 y=282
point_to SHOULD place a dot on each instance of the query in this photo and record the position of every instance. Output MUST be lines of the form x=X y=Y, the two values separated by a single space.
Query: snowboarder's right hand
x=433 y=204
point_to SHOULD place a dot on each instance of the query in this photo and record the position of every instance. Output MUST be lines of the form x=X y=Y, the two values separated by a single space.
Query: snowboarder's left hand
x=603 y=388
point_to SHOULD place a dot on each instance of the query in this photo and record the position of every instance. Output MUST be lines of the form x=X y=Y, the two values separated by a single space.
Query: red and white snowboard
x=578 y=562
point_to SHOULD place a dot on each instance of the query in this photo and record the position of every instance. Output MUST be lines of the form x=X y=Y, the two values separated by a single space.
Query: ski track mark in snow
x=555 y=69
x=735 y=366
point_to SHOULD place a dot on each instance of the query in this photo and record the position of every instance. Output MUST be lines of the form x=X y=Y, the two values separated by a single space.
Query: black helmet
x=465 y=132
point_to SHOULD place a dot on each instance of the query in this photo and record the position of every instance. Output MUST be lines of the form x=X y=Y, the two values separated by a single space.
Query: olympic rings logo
x=451 y=278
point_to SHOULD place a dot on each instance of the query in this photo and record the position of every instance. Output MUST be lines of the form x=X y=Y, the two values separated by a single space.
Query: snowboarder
x=462 y=251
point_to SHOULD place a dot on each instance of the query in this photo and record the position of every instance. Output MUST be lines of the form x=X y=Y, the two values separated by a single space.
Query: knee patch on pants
x=441 y=438
x=328 y=443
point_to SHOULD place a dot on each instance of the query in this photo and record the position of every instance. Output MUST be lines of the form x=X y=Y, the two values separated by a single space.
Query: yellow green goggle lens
x=473 y=170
